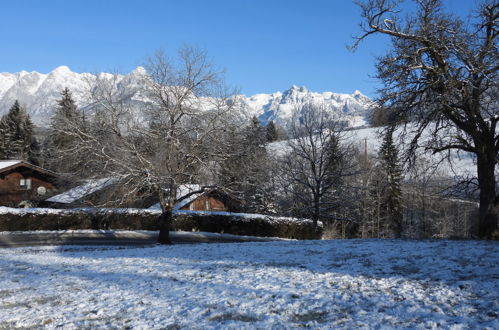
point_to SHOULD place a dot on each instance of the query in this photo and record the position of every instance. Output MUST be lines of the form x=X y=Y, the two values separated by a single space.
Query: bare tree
x=154 y=148
x=315 y=163
x=442 y=73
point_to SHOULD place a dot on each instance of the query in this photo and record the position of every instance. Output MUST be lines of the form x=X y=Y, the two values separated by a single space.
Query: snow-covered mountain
x=279 y=106
x=39 y=92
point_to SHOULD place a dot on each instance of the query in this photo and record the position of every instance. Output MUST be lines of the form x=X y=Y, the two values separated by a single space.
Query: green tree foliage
x=61 y=142
x=245 y=170
x=271 y=132
x=66 y=114
x=387 y=181
x=17 y=137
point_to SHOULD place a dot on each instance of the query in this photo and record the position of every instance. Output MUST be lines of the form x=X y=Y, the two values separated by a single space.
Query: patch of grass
x=4 y=325
x=405 y=269
x=30 y=303
x=232 y=316
x=317 y=316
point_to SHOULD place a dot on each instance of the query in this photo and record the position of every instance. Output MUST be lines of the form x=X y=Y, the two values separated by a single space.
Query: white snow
x=8 y=163
x=462 y=164
x=4 y=210
x=79 y=192
x=39 y=92
x=317 y=284
x=182 y=191
x=279 y=107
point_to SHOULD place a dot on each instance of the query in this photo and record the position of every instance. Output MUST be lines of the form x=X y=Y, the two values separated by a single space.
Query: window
x=25 y=183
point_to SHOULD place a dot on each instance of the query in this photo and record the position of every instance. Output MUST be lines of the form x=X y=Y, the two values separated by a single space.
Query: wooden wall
x=11 y=193
x=206 y=203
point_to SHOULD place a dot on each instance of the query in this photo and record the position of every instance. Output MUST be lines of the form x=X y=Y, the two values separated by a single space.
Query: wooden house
x=107 y=192
x=21 y=181
x=207 y=199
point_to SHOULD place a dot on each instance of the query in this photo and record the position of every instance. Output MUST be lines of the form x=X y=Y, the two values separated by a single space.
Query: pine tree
x=17 y=137
x=255 y=133
x=60 y=141
x=389 y=177
x=271 y=132
x=66 y=114
x=245 y=169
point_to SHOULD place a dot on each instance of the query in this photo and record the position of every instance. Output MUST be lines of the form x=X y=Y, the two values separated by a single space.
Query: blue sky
x=265 y=46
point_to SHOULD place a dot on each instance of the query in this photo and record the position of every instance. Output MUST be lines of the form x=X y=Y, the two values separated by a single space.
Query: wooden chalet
x=107 y=192
x=205 y=199
x=210 y=199
x=21 y=181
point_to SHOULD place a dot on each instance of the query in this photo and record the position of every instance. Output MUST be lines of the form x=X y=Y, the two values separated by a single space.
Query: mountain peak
x=139 y=71
x=40 y=92
x=295 y=88
x=62 y=69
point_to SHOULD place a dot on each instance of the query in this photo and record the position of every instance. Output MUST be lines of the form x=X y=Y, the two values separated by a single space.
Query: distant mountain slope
x=39 y=92
x=368 y=139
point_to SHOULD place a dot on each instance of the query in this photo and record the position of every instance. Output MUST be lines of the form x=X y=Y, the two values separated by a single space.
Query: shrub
x=12 y=219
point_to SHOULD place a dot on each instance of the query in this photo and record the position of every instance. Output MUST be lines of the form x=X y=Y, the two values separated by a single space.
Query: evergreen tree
x=245 y=169
x=17 y=137
x=66 y=113
x=60 y=141
x=271 y=132
x=255 y=133
x=389 y=177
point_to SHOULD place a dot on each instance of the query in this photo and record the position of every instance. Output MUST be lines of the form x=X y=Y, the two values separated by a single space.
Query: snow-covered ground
x=320 y=284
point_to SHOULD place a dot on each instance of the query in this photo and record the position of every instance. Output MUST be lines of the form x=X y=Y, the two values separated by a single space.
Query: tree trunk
x=165 y=221
x=315 y=217
x=166 y=217
x=489 y=201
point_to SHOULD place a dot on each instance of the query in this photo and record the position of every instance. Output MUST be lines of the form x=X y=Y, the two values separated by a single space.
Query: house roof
x=6 y=165
x=82 y=191
x=186 y=193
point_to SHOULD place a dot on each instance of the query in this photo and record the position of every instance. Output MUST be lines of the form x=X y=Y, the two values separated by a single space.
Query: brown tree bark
x=489 y=201
x=165 y=221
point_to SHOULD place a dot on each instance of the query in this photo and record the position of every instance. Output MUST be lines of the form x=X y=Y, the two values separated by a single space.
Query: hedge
x=12 y=219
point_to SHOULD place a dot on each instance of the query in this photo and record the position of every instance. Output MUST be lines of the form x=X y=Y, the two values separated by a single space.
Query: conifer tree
x=17 y=137
x=271 y=132
x=255 y=133
x=61 y=140
x=66 y=114
x=389 y=177
x=245 y=169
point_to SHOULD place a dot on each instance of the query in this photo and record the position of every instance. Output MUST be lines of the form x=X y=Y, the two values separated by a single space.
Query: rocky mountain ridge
x=38 y=93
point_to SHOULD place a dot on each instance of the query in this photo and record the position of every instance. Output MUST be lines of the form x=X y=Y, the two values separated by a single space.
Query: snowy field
x=319 y=284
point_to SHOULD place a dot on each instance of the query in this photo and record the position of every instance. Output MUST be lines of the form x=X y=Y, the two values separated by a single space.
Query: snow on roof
x=182 y=191
x=5 y=164
x=187 y=200
x=8 y=163
x=79 y=192
x=185 y=189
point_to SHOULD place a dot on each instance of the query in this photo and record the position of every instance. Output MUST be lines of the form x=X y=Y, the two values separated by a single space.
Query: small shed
x=21 y=181
x=78 y=196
